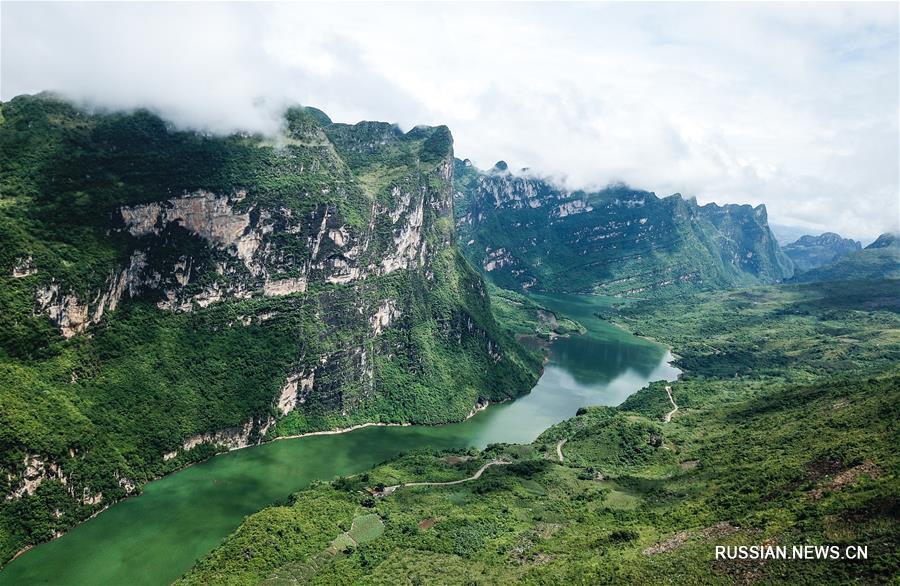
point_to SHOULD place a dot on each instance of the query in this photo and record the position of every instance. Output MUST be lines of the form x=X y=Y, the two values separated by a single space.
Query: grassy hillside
x=785 y=435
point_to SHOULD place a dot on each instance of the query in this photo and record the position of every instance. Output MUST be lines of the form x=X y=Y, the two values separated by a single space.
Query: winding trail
x=559 y=446
x=390 y=489
x=669 y=415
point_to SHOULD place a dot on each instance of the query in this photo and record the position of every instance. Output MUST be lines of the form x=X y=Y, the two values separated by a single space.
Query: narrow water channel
x=157 y=536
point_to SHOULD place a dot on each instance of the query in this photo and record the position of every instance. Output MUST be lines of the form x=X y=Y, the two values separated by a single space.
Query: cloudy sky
x=791 y=105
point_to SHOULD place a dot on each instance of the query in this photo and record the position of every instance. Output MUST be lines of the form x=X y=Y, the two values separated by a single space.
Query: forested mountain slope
x=879 y=260
x=785 y=434
x=809 y=252
x=886 y=240
x=525 y=232
x=167 y=294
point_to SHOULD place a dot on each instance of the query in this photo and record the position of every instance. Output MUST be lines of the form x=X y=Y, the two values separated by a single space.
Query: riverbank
x=181 y=517
x=630 y=481
x=625 y=328
x=478 y=408
x=31 y=546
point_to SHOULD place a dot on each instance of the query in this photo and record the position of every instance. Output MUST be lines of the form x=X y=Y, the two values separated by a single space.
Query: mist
x=793 y=106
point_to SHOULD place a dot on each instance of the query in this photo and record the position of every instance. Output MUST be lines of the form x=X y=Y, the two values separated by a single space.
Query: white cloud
x=792 y=105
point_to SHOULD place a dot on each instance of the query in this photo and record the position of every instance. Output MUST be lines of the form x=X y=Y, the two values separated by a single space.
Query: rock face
x=24 y=267
x=525 y=232
x=37 y=471
x=246 y=246
x=73 y=315
x=879 y=260
x=886 y=240
x=172 y=294
x=809 y=252
x=231 y=438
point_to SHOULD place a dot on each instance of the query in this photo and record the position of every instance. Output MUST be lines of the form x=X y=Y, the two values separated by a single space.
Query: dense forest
x=785 y=434
x=166 y=295
x=525 y=232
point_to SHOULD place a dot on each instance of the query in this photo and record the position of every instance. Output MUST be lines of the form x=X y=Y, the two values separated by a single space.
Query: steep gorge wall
x=207 y=293
x=525 y=232
x=810 y=252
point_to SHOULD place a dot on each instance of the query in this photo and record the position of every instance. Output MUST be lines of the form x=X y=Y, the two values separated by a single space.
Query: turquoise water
x=157 y=536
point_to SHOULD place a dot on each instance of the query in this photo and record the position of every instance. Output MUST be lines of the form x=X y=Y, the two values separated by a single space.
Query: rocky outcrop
x=408 y=247
x=38 y=470
x=570 y=208
x=277 y=287
x=250 y=260
x=384 y=316
x=527 y=232
x=210 y=216
x=23 y=267
x=73 y=314
x=295 y=391
x=496 y=259
x=232 y=438
x=810 y=252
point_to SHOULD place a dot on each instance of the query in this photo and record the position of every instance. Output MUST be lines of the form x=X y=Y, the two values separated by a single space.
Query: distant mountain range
x=528 y=233
x=879 y=260
x=809 y=252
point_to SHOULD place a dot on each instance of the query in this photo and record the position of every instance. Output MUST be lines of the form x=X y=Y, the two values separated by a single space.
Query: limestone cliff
x=877 y=261
x=168 y=294
x=809 y=252
x=525 y=232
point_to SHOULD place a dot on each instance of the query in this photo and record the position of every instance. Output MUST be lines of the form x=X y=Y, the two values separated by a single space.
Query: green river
x=157 y=536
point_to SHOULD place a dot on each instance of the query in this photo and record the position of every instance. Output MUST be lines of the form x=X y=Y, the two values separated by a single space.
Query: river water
x=157 y=536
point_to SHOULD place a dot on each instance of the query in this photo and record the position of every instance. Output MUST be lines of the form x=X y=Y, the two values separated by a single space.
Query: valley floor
x=784 y=434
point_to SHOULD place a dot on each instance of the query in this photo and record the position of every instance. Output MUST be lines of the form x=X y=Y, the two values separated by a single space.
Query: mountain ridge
x=168 y=294
x=809 y=252
x=615 y=241
x=879 y=260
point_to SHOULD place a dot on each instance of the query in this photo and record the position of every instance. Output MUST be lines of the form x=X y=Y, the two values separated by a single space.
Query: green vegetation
x=607 y=439
x=525 y=233
x=879 y=260
x=417 y=365
x=524 y=316
x=785 y=435
x=787 y=413
x=810 y=252
x=192 y=344
x=363 y=529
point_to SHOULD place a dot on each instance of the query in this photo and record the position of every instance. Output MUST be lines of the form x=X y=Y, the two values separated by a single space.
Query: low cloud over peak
x=794 y=106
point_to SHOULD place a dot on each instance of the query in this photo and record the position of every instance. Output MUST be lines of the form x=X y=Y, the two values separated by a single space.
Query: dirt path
x=389 y=489
x=559 y=449
x=669 y=415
